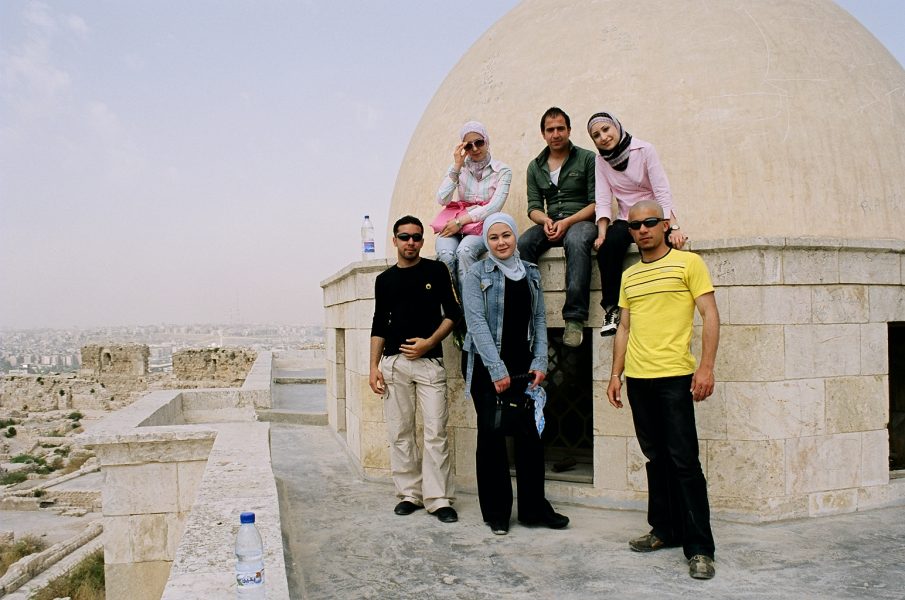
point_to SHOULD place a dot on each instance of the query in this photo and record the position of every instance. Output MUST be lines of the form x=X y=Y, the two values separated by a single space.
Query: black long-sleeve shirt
x=412 y=302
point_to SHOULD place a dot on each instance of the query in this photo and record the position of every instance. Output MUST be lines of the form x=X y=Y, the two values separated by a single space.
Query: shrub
x=40 y=381
x=76 y=424
x=13 y=478
x=84 y=582
x=62 y=393
x=22 y=459
x=75 y=416
x=7 y=422
x=10 y=432
x=10 y=553
x=39 y=493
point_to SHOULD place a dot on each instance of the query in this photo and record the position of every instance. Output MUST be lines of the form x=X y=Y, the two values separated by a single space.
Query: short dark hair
x=555 y=111
x=407 y=220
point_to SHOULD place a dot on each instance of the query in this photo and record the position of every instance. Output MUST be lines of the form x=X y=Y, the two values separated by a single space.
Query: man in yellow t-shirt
x=653 y=348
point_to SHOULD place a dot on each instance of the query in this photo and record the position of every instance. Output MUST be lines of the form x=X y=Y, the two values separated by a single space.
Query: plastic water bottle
x=367 y=239
x=249 y=559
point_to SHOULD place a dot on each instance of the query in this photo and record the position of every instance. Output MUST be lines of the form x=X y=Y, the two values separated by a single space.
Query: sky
x=210 y=161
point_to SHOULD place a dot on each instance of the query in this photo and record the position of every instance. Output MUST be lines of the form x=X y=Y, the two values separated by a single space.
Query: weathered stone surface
x=887 y=303
x=832 y=503
x=874 y=349
x=875 y=457
x=226 y=365
x=747 y=469
x=608 y=420
x=610 y=462
x=823 y=463
x=136 y=581
x=767 y=305
x=124 y=490
x=839 y=304
x=744 y=266
x=710 y=415
x=810 y=266
x=822 y=350
x=188 y=480
x=149 y=537
x=775 y=410
x=636 y=472
x=748 y=353
x=869 y=267
x=375 y=449
x=856 y=403
x=115 y=359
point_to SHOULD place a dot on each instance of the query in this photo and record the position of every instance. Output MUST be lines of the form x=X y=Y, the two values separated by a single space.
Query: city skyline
x=211 y=162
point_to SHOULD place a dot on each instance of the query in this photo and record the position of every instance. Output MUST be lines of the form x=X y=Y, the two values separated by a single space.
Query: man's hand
x=502 y=385
x=558 y=230
x=701 y=384
x=614 y=392
x=375 y=380
x=548 y=226
x=415 y=348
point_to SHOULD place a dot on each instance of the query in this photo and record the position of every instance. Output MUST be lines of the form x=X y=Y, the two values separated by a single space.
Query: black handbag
x=514 y=410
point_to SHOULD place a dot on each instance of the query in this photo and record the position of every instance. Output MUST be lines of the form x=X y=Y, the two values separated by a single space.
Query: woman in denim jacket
x=507 y=335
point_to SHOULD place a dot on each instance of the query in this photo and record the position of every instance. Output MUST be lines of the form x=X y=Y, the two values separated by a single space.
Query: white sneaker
x=610 y=322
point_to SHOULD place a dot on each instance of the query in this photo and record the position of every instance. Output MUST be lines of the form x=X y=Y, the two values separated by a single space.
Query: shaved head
x=644 y=206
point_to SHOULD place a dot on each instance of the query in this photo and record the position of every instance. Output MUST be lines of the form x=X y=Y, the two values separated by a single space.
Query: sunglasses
x=650 y=222
x=404 y=237
x=474 y=144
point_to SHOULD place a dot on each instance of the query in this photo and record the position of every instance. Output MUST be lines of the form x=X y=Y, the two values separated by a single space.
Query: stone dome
x=772 y=117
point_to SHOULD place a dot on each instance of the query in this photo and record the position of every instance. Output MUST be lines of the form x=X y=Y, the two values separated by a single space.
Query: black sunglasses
x=404 y=237
x=648 y=222
x=477 y=144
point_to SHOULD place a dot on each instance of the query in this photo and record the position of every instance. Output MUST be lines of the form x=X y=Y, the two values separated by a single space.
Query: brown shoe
x=701 y=566
x=647 y=543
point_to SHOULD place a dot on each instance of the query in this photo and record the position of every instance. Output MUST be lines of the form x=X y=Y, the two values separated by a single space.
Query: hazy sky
x=210 y=161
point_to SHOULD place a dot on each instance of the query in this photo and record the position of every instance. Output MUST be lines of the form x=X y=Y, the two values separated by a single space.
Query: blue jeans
x=678 y=510
x=577 y=243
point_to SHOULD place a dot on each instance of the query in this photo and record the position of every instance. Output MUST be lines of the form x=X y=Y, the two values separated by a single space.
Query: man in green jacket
x=561 y=203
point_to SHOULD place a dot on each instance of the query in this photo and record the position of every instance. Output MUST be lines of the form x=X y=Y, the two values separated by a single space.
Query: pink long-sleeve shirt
x=643 y=179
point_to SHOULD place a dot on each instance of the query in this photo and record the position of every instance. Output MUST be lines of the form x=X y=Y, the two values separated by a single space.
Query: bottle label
x=368 y=246
x=250 y=579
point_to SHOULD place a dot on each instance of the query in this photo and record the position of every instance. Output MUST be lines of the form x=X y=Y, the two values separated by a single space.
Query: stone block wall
x=38 y=393
x=213 y=366
x=115 y=359
x=796 y=425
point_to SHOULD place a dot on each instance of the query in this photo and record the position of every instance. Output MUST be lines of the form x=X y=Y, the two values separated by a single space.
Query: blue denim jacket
x=483 y=292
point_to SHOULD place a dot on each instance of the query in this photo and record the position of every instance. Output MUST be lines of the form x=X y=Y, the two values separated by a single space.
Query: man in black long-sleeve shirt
x=414 y=309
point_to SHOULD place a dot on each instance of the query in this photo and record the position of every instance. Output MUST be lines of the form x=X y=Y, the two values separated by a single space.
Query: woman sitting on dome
x=481 y=184
x=629 y=170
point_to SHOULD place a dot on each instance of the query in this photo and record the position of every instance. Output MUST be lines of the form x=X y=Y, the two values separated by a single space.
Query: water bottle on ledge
x=367 y=239
x=249 y=559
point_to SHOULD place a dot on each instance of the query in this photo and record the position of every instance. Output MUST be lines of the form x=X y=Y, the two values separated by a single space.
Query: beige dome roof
x=772 y=118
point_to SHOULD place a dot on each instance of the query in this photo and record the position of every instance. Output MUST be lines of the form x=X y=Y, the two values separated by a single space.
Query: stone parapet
x=796 y=425
x=179 y=466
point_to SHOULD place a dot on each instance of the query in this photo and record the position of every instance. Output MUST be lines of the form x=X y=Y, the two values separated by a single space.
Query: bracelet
x=616 y=376
x=458 y=223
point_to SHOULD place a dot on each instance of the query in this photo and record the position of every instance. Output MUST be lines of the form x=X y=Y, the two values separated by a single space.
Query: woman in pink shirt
x=627 y=170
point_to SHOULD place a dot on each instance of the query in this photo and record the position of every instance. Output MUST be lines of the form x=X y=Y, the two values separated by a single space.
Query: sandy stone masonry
x=179 y=467
x=796 y=426
x=221 y=365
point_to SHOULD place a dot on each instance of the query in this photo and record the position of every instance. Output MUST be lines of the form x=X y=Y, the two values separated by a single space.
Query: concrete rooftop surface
x=343 y=541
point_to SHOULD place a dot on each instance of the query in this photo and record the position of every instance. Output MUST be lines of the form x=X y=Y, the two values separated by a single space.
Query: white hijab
x=512 y=267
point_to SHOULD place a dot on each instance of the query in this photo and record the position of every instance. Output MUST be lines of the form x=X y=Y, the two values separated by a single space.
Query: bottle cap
x=247 y=517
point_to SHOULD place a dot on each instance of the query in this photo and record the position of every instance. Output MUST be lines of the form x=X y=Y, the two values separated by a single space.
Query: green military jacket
x=574 y=191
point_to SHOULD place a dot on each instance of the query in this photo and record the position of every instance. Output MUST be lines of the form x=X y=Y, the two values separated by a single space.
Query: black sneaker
x=610 y=322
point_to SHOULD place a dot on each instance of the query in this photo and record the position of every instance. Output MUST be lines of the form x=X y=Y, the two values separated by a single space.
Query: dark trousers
x=577 y=242
x=492 y=460
x=677 y=510
x=610 y=260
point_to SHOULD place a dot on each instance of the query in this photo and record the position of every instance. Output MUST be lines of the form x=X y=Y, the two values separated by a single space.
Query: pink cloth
x=643 y=179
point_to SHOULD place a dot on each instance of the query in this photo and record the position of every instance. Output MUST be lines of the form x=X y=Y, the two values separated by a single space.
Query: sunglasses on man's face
x=404 y=237
x=474 y=144
x=649 y=223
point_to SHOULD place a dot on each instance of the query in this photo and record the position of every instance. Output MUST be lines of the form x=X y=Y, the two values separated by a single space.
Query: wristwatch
x=673 y=227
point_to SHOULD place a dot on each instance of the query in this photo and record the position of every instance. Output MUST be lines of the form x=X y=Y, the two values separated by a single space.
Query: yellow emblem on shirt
x=427 y=286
